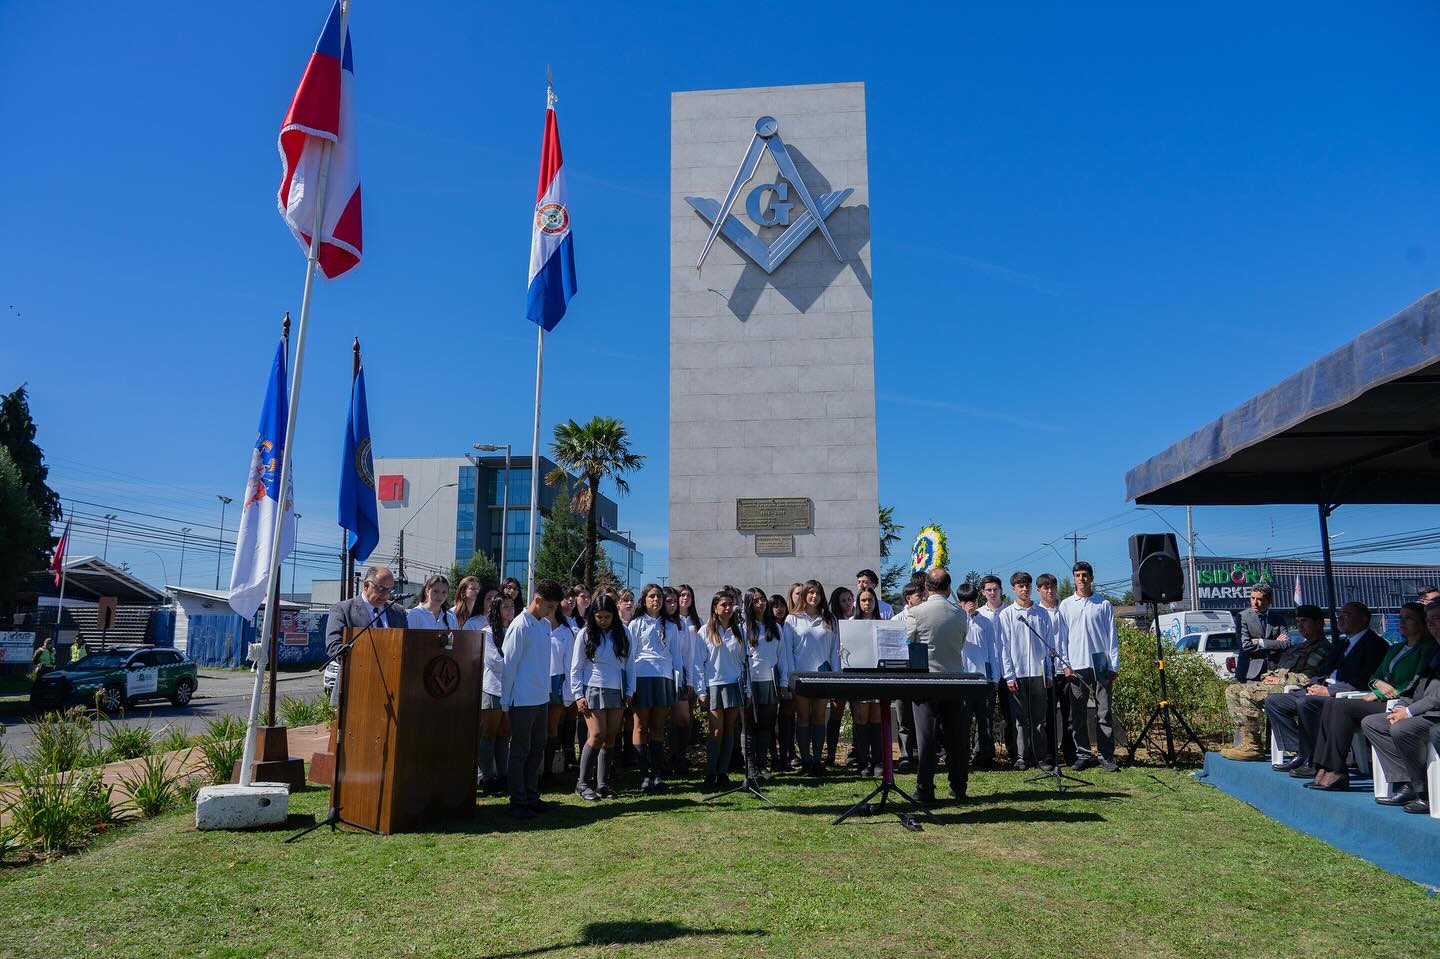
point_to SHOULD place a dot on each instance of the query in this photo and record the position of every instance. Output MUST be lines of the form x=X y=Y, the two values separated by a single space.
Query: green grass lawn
x=1143 y=864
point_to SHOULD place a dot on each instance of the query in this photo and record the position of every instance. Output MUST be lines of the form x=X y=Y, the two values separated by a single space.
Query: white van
x=1175 y=625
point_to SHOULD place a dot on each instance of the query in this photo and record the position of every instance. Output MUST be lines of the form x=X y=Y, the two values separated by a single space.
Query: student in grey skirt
x=656 y=670
x=717 y=679
x=769 y=673
x=494 y=723
x=596 y=683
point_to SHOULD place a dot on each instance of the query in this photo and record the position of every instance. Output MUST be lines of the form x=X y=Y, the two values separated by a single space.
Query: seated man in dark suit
x=1295 y=716
x=372 y=606
x=1400 y=736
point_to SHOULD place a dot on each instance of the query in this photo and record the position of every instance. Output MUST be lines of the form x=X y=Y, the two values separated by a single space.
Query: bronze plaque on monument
x=772 y=512
x=774 y=544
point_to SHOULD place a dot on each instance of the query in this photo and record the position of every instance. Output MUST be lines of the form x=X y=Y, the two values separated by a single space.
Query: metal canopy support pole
x=1325 y=511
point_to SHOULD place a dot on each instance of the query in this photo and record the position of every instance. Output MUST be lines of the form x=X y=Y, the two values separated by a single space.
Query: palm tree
x=593 y=451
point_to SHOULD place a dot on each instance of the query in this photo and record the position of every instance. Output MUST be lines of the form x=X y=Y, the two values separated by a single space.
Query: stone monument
x=772 y=373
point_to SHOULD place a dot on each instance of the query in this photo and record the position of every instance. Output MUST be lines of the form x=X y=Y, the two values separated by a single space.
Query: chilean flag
x=57 y=564
x=322 y=112
x=552 y=251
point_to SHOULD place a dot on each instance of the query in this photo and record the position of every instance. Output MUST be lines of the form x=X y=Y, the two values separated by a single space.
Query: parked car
x=117 y=678
x=1221 y=648
x=1175 y=625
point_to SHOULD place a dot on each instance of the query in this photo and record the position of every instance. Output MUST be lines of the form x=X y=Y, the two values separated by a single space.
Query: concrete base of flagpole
x=242 y=807
x=274 y=764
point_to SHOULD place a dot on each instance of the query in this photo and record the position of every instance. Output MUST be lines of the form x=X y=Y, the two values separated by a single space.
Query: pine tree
x=17 y=435
x=562 y=541
x=24 y=534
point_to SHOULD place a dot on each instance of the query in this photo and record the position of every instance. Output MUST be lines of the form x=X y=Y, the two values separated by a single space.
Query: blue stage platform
x=1399 y=842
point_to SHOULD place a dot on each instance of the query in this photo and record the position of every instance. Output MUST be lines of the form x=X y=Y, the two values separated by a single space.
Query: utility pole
x=1075 y=539
x=1190 y=551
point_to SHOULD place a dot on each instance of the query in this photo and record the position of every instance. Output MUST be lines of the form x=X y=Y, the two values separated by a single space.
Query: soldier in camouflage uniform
x=1296 y=666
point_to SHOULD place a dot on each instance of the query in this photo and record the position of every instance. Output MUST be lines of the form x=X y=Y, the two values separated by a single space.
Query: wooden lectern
x=411 y=727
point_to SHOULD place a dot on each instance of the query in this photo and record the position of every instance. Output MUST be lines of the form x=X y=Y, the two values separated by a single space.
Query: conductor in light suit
x=372 y=606
x=941 y=627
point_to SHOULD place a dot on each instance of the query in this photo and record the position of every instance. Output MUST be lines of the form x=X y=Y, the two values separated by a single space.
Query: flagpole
x=273 y=571
x=272 y=625
x=60 y=610
x=534 y=470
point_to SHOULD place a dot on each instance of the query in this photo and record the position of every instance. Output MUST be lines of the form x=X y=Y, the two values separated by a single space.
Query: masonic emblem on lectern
x=816 y=209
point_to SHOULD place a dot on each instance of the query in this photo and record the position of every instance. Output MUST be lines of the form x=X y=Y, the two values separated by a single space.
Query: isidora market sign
x=1230 y=581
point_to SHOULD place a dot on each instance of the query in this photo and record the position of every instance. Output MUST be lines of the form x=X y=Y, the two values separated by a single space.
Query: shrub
x=153 y=789
x=57 y=809
x=222 y=745
x=1195 y=689
x=188 y=788
x=62 y=738
x=303 y=712
x=128 y=742
x=173 y=739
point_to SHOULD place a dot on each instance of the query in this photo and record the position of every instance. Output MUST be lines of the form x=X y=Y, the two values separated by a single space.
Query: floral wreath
x=930 y=549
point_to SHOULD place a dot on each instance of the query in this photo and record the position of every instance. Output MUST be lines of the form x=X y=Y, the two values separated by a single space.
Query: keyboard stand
x=887 y=784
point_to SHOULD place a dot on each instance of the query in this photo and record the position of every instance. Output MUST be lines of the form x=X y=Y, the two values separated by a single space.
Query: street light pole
x=184 y=532
x=105 y=553
x=293 y=550
x=412 y=519
x=220 y=543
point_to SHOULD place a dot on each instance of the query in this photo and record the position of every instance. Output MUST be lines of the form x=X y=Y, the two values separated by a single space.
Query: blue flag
x=248 y=577
x=359 y=514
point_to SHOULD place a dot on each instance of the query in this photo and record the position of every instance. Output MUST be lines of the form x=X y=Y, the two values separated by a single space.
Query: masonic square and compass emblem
x=812 y=217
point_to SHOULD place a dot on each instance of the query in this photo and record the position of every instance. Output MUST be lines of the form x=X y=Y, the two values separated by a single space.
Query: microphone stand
x=332 y=816
x=750 y=783
x=1057 y=663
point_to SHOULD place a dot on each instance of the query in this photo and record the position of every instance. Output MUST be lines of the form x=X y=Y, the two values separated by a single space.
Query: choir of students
x=638 y=670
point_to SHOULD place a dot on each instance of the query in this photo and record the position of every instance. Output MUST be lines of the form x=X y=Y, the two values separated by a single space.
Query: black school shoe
x=586 y=793
x=1418 y=806
x=1405 y=795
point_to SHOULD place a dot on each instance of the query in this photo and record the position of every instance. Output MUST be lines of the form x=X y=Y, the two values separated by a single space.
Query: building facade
x=429 y=505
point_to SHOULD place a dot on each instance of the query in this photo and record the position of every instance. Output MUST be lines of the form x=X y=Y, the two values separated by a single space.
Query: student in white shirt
x=904 y=710
x=866 y=712
x=1093 y=655
x=1025 y=663
x=680 y=610
x=993 y=592
x=866 y=579
x=842 y=604
x=817 y=649
x=982 y=655
x=525 y=695
x=769 y=675
x=562 y=704
x=1049 y=603
x=494 y=721
x=655 y=654
x=717 y=681
x=784 y=757
x=597 y=685
x=431 y=613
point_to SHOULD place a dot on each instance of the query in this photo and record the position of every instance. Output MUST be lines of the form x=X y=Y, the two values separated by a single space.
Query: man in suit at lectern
x=371 y=607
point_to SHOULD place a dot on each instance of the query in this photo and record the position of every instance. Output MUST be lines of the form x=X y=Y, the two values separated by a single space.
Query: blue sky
x=1093 y=232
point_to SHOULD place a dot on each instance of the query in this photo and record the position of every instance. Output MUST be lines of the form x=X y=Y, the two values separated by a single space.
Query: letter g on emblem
x=778 y=214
